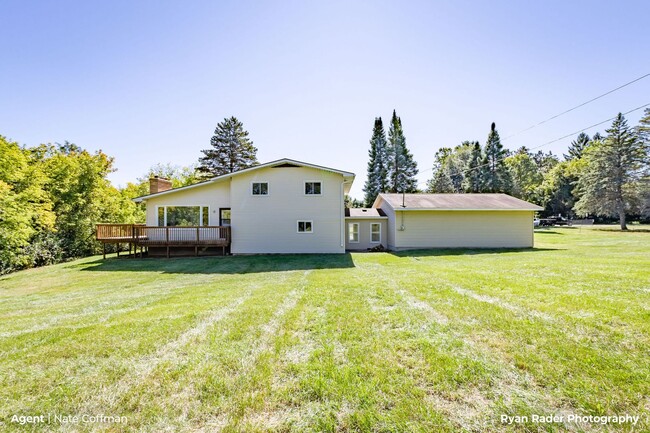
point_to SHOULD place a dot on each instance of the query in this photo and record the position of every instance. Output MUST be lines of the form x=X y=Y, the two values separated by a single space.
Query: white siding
x=364 y=233
x=390 y=226
x=459 y=229
x=267 y=224
x=214 y=195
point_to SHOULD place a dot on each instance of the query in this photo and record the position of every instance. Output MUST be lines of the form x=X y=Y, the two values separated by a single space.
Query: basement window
x=305 y=226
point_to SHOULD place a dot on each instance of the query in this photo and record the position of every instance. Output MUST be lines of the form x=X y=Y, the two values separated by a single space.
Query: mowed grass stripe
x=418 y=341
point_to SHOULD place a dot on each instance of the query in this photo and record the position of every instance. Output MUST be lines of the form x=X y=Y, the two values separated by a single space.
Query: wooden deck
x=140 y=236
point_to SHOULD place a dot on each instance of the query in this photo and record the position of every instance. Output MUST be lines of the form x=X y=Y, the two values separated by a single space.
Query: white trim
x=304 y=188
x=268 y=188
x=350 y=232
x=371 y=233
x=304 y=221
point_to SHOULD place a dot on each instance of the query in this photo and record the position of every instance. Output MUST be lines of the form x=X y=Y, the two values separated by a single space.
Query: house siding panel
x=268 y=224
x=464 y=229
x=364 y=233
x=214 y=195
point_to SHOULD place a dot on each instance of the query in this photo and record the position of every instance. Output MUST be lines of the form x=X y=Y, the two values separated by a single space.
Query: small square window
x=260 y=188
x=312 y=188
x=305 y=227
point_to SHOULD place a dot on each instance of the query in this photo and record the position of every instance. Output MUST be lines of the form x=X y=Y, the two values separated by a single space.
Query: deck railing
x=140 y=235
x=115 y=232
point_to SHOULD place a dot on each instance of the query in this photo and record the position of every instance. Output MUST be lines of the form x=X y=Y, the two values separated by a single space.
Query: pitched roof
x=284 y=162
x=364 y=213
x=455 y=202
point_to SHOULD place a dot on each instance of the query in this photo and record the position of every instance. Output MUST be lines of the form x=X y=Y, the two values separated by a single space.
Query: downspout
x=342 y=213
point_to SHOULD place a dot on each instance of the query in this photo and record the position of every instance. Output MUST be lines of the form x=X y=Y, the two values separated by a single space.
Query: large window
x=305 y=227
x=173 y=216
x=375 y=232
x=353 y=233
x=260 y=188
x=313 y=188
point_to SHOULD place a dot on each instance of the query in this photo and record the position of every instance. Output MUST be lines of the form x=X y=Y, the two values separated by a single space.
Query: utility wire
x=550 y=142
x=577 y=106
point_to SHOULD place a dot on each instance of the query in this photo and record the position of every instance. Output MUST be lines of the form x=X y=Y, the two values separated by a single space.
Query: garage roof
x=455 y=202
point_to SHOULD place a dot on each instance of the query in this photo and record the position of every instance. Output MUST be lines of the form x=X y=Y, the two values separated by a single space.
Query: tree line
x=52 y=195
x=604 y=176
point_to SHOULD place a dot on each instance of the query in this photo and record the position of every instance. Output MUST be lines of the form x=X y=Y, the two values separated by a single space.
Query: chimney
x=159 y=184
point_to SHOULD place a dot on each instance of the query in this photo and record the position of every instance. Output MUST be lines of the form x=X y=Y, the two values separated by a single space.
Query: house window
x=313 y=188
x=353 y=232
x=375 y=232
x=174 y=216
x=305 y=227
x=260 y=188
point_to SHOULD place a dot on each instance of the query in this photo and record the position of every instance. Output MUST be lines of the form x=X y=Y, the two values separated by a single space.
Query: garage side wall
x=465 y=229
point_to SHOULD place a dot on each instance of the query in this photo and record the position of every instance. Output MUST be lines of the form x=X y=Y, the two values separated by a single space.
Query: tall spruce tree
x=472 y=181
x=643 y=132
x=231 y=150
x=577 y=146
x=403 y=168
x=615 y=167
x=495 y=176
x=377 y=181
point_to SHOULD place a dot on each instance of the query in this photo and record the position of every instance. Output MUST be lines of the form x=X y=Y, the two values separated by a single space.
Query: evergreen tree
x=610 y=183
x=494 y=173
x=441 y=182
x=377 y=164
x=403 y=168
x=643 y=132
x=577 y=146
x=231 y=150
x=472 y=181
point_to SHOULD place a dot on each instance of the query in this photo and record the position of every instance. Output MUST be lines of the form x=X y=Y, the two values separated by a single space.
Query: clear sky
x=147 y=81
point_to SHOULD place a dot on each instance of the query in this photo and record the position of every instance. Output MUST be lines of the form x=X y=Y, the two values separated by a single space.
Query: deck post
x=104 y=248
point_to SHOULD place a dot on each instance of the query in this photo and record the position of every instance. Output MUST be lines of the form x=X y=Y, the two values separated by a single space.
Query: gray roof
x=456 y=202
x=364 y=213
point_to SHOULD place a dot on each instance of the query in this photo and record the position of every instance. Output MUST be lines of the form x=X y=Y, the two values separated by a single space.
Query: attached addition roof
x=455 y=202
x=365 y=213
x=284 y=162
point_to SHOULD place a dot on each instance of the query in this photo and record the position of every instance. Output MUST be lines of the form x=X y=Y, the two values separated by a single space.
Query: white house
x=288 y=206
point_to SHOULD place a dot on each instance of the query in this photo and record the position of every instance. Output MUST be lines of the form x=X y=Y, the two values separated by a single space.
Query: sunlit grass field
x=426 y=341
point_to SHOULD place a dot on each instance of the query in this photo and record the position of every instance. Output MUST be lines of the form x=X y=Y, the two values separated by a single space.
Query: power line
x=578 y=106
x=550 y=142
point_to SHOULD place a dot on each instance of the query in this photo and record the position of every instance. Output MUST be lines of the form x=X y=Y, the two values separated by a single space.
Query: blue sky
x=148 y=81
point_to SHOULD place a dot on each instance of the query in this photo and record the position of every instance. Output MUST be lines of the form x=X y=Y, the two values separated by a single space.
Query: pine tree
x=403 y=168
x=377 y=164
x=495 y=176
x=643 y=133
x=615 y=167
x=441 y=182
x=231 y=150
x=472 y=181
x=577 y=146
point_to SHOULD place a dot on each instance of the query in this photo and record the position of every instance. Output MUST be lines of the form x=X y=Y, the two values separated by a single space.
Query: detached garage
x=457 y=221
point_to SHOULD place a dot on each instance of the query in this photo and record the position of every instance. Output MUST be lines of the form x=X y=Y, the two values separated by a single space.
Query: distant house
x=288 y=206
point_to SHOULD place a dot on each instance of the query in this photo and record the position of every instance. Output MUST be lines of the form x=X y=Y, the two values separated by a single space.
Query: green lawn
x=422 y=341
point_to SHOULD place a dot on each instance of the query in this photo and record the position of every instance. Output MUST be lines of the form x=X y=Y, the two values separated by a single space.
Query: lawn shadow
x=223 y=265
x=468 y=251
x=547 y=232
